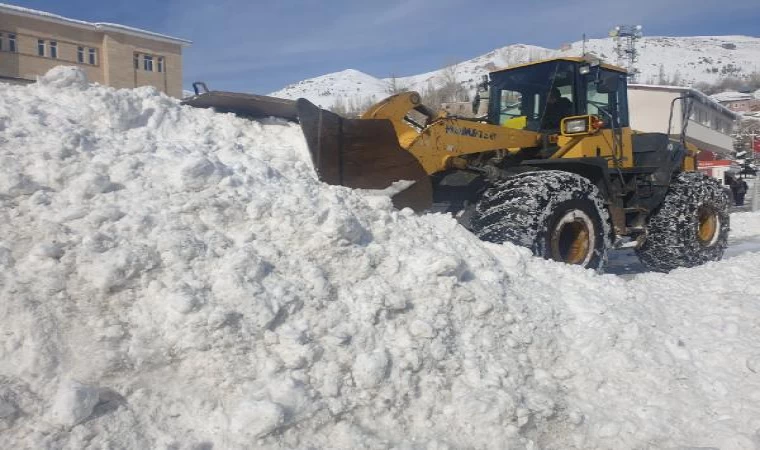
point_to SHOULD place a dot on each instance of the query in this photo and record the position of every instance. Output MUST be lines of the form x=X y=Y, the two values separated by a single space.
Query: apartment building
x=32 y=42
x=709 y=126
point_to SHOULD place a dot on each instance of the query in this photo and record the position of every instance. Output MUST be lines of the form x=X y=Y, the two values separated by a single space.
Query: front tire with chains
x=558 y=215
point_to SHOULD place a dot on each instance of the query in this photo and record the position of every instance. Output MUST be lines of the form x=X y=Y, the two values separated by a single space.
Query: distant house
x=709 y=127
x=32 y=42
x=738 y=101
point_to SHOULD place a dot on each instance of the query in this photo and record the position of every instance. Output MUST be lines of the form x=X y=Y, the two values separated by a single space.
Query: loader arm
x=441 y=137
x=399 y=139
x=449 y=137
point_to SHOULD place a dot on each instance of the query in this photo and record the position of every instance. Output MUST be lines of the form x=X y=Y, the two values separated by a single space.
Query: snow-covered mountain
x=682 y=60
x=347 y=84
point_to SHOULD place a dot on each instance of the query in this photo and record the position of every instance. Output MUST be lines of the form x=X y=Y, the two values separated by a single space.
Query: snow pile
x=171 y=274
x=176 y=278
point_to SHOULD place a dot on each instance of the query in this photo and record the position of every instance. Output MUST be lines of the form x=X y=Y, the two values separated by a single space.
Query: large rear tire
x=691 y=226
x=558 y=215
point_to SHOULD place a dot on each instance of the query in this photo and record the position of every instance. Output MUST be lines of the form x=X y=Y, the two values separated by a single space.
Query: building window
x=12 y=43
x=148 y=63
x=54 y=49
x=80 y=55
x=701 y=116
x=160 y=64
x=93 y=56
x=137 y=61
x=708 y=119
x=727 y=127
x=40 y=47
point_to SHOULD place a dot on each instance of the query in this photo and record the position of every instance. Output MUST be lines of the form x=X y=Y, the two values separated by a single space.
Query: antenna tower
x=584 y=44
x=625 y=38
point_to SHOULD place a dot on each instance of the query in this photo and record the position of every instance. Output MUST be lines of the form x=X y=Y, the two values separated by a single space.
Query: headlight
x=575 y=126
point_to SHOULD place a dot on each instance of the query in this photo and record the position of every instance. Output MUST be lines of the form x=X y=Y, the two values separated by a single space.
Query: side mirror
x=476 y=103
x=484 y=89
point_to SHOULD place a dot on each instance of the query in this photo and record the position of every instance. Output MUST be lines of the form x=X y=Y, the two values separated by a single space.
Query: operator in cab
x=557 y=108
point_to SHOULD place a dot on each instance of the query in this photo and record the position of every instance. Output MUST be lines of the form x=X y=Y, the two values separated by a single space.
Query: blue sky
x=261 y=46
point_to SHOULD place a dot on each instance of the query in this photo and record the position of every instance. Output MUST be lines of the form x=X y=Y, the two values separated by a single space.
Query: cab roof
x=575 y=59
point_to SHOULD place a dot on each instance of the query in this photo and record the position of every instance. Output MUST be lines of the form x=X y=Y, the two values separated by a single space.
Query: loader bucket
x=362 y=154
x=245 y=105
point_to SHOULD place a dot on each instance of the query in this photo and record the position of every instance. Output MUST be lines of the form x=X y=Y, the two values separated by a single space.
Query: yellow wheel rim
x=708 y=226
x=572 y=240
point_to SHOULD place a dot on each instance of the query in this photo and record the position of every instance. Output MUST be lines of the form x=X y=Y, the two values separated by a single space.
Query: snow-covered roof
x=705 y=99
x=731 y=96
x=92 y=26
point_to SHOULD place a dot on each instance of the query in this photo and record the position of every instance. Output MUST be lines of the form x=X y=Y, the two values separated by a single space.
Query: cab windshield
x=534 y=97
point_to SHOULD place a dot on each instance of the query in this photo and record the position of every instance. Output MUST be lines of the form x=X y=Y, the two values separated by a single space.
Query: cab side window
x=605 y=97
x=511 y=106
x=596 y=100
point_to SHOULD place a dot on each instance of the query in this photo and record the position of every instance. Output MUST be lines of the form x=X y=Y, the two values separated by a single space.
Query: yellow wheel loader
x=553 y=166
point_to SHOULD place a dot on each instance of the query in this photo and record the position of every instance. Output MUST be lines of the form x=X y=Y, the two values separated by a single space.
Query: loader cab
x=604 y=93
x=525 y=97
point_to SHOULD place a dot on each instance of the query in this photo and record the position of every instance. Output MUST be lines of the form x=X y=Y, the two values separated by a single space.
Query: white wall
x=650 y=108
x=649 y=111
x=709 y=139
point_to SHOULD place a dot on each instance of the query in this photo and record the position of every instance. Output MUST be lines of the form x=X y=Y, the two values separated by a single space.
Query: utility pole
x=584 y=44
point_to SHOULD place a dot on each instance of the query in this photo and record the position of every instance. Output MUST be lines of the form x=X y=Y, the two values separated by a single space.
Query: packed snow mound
x=172 y=275
x=176 y=278
x=63 y=77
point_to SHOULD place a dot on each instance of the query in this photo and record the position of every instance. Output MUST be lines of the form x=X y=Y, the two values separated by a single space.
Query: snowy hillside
x=175 y=278
x=684 y=60
x=689 y=59
x=349 y=85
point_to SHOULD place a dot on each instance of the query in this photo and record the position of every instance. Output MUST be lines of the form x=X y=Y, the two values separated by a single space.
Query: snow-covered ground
x=176 y=278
